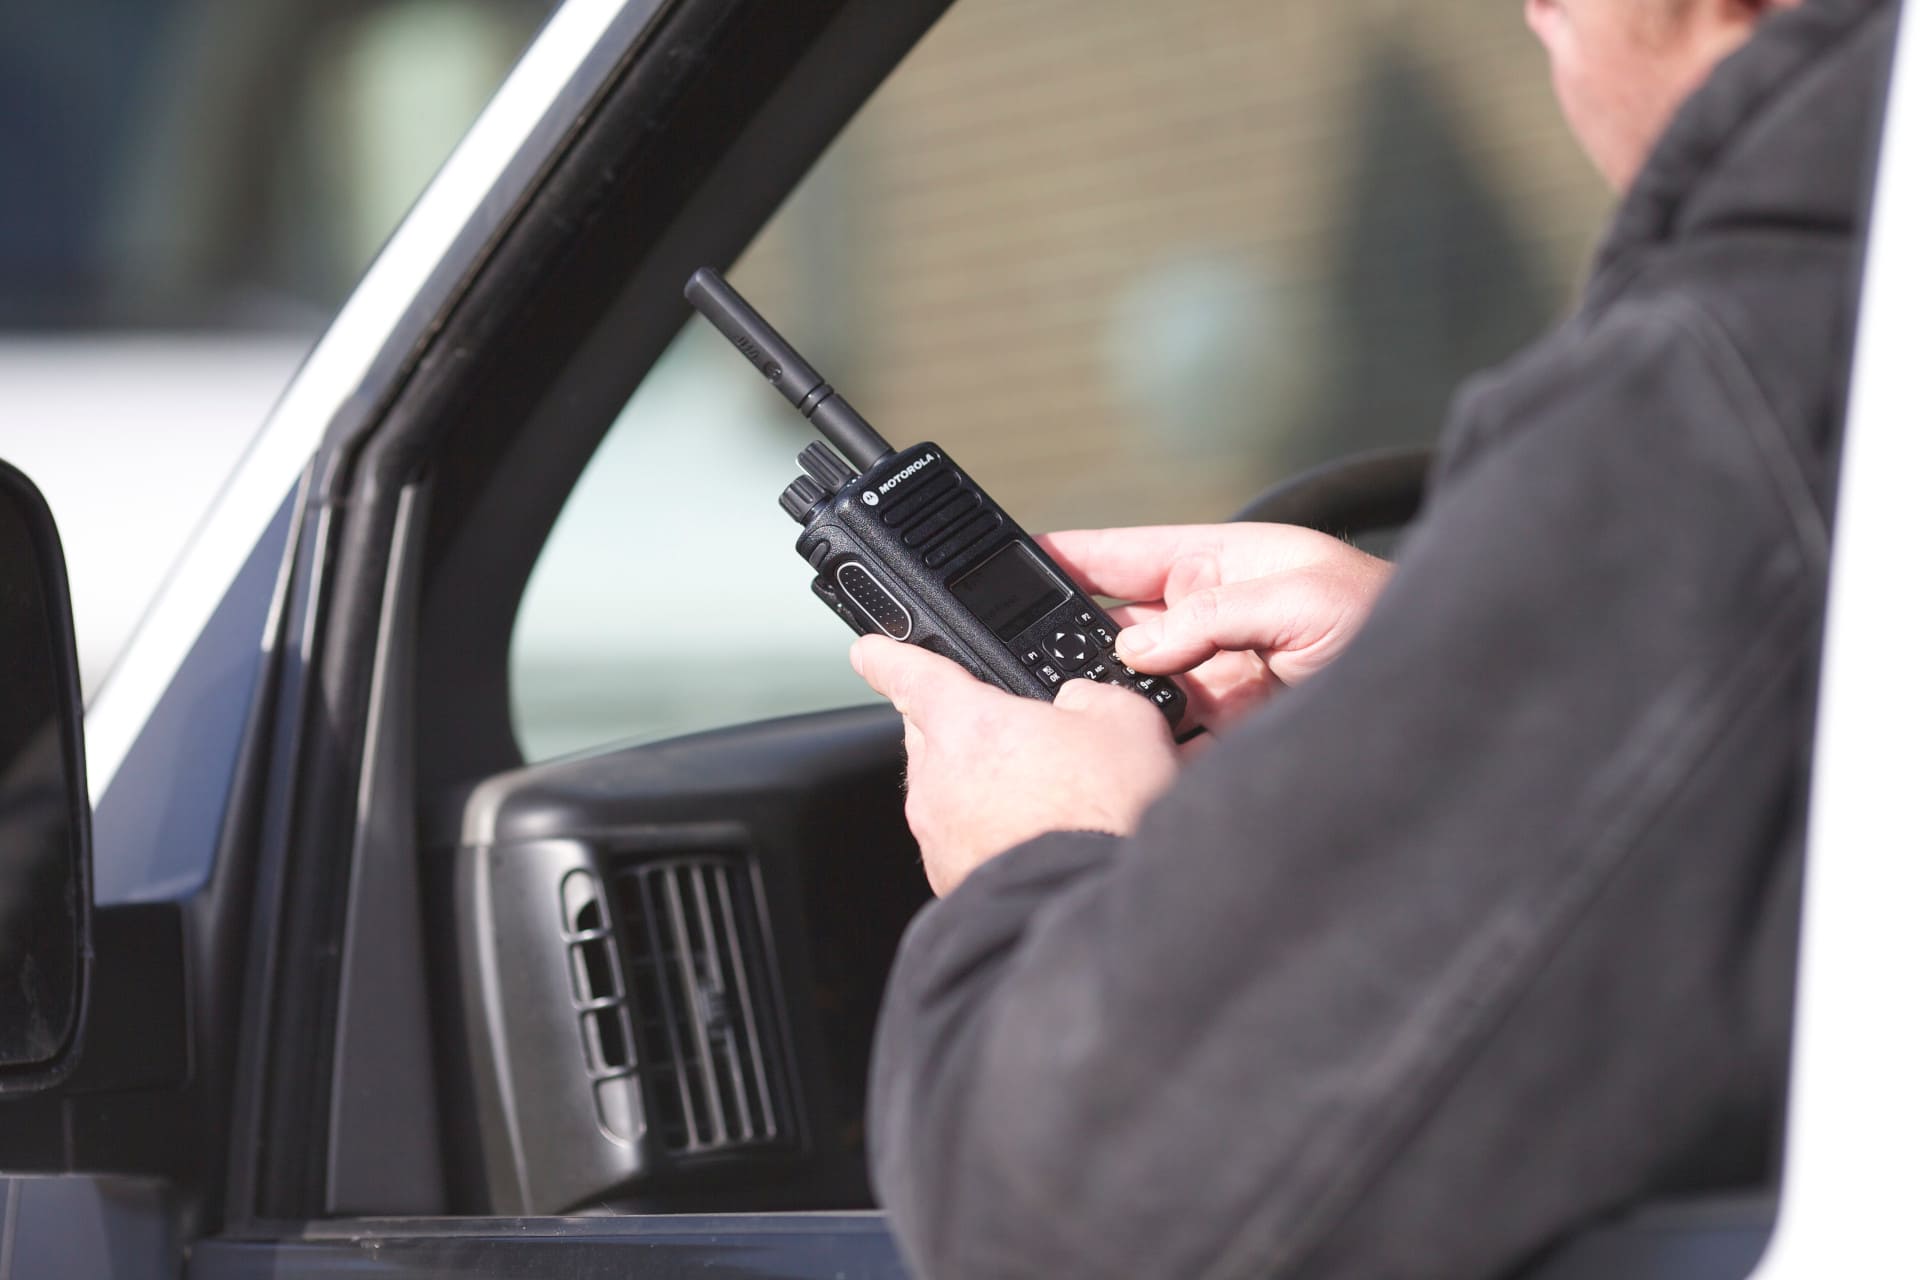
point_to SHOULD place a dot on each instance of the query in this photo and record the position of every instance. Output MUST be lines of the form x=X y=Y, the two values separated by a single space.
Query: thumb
x=912 y=679
x=1276 y=615
x=1094 y=696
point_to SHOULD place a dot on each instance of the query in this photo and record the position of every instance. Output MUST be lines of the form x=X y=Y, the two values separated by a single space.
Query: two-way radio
x=906 y=545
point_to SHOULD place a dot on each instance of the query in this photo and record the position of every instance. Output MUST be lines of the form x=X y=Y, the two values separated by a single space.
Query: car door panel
x=660 y=967
x=745 y=1247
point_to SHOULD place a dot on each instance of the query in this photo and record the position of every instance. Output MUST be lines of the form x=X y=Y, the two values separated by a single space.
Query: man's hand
x=987 y=770
x=1245 y=608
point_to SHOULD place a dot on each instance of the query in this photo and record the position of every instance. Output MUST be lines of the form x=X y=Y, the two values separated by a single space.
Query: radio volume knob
x=801 y=497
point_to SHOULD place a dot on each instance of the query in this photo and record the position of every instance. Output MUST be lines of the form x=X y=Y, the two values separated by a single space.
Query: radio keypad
x=1074 y=642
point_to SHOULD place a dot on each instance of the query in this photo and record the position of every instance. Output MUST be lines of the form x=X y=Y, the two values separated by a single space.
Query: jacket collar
x=1779 y=135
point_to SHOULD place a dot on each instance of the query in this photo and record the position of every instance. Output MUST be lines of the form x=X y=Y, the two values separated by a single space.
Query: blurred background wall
x=1256 y=233
x=1132 y=260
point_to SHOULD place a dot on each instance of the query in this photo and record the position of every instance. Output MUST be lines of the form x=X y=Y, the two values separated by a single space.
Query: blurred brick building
x=1235 y=236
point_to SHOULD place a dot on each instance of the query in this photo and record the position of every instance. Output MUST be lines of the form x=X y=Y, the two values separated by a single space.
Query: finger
x=1226 y=688
x=1246 y=696
x=1165 y=562
x=915 y=681
x=1132 y=615
x=1118 y=706
x=1090 y=695
x=1193 y=747
x=1129 y=564
x=1266 y=615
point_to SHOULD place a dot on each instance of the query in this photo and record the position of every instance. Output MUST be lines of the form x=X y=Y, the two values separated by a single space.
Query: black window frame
x=676 y=140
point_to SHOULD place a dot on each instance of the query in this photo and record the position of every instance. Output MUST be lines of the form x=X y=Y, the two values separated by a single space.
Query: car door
x=504 y=1012
x=366 y=1108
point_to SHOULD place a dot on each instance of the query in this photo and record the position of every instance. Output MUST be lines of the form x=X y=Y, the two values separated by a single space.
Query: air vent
x=600 y=1003
x=710 y=1049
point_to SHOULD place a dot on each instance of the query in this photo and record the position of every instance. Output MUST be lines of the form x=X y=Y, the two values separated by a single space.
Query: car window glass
x=1130 y=263
x=192 y=187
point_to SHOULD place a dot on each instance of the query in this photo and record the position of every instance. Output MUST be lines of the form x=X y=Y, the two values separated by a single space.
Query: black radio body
x=903 y=543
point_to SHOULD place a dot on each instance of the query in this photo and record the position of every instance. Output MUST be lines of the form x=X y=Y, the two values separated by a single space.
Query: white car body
x=1854 y=1117
x=1855 y=1110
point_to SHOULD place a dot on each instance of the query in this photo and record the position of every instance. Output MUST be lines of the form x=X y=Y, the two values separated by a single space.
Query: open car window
x=1130 y=264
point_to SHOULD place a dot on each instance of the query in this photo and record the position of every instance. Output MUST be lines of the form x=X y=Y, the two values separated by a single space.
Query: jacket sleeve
x=1451 y=947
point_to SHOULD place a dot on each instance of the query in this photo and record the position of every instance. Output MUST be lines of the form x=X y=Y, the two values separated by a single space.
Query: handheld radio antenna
x=790 y=375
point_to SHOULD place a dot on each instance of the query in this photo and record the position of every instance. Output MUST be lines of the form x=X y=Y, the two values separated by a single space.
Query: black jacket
x=1488 y=928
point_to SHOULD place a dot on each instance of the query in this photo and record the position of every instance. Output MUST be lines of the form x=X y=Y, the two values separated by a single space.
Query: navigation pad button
x=1071 y=649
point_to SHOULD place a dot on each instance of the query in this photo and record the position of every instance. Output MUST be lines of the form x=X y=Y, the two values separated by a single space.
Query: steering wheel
x=1373 y=492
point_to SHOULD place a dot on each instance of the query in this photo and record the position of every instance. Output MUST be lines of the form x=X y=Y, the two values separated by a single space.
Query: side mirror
x=46 y=845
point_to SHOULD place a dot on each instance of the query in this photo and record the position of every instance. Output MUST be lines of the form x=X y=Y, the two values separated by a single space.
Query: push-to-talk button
x=878 y=603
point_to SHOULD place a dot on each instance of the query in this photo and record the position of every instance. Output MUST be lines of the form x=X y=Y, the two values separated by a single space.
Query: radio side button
x=880 y=606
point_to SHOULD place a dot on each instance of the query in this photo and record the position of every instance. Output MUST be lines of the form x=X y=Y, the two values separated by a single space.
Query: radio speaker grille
x=703 y=1004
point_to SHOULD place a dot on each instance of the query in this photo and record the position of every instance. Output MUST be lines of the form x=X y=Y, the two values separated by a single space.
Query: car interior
x=639 y=977
x=669 y=957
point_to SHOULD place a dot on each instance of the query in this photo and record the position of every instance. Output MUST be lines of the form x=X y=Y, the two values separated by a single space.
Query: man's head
x=1623 y=67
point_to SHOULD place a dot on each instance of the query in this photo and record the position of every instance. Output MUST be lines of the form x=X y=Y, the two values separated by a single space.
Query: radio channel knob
x=801 y=497
x=826 y=466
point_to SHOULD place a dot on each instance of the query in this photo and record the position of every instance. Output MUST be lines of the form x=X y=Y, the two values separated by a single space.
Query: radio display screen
x=1010 y=592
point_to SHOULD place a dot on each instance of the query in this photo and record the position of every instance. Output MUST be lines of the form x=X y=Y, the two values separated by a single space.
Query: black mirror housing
x=46 y=842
